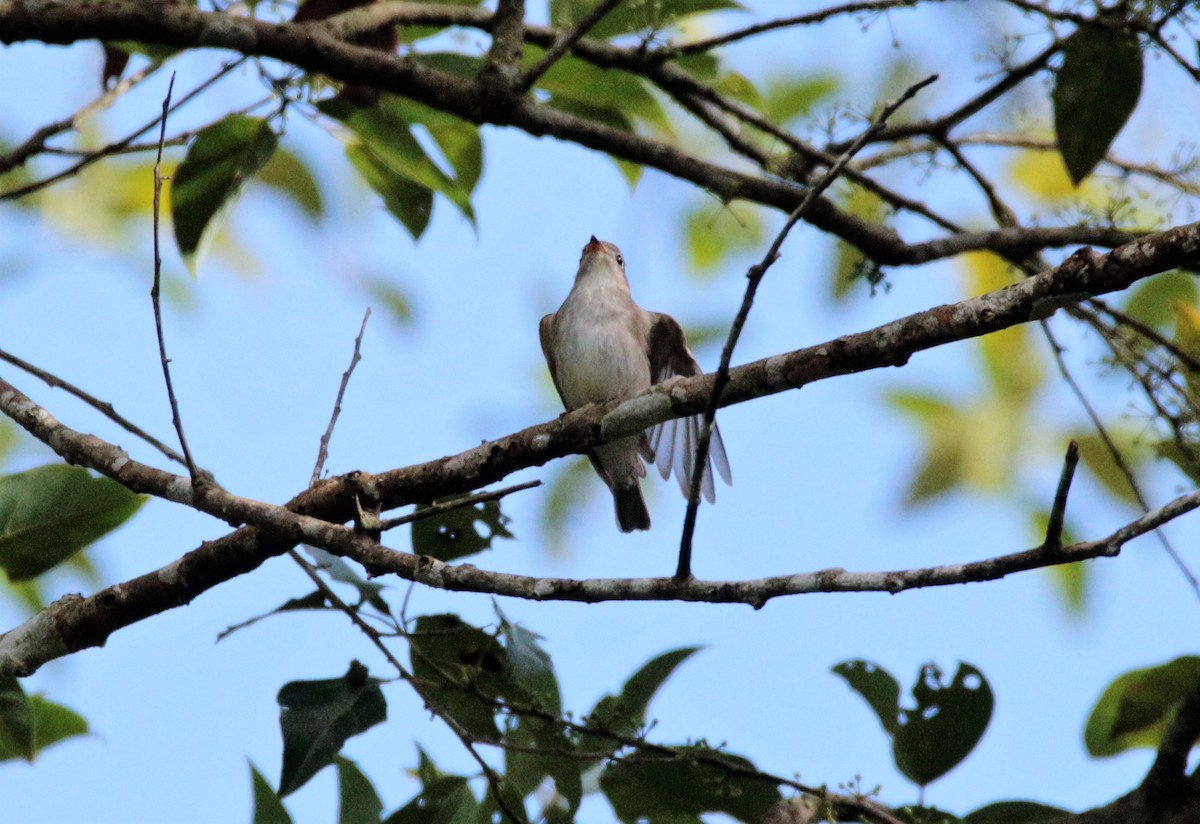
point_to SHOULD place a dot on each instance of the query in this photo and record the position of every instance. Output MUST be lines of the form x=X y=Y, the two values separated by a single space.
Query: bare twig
x=323 y=451
x=562 y=45
x=458 y=503
x=1054 y=524
x=154 y=293
x=104 y=407
x=683 y=570
x=1114 y=451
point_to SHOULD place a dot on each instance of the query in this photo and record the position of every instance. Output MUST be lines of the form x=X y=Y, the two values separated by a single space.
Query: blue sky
x=819 y=475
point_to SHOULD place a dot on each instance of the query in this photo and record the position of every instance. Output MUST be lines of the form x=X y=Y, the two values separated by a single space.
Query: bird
x=601 y=346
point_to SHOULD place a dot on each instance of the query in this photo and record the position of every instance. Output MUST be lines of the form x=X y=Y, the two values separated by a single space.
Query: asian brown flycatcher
x=600 y=346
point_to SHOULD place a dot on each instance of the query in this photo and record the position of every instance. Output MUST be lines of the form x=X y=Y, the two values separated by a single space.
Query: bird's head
x=602 y=259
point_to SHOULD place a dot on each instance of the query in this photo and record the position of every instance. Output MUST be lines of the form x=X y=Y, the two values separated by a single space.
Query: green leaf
x=1136 y=709
x=632 y=15
x=570 y=490
x=541 y=748
x=458 y=140
x=877 y=687
x=220 y=159
x=358 y=803
x=49 y=513
x=316 y=718
x=575 y=80
x=460 y=671
x=394 y=299
x=789 y=97
x=30 y=724
x=850 y=263
x=946 y=724
x=388 y=152
x=715 y=232
x=916 y=814
x=651 y=787
x=1094 y=94
x=624 y=714
x=268 y=807
x=1097 y=457
x=410 y=203
x=460 y=532
x=529 y=665
x=16 y=721
x=1014 y=812
x=290 y=175
x=445 y=800
x=1150 y=301
x=944 y=465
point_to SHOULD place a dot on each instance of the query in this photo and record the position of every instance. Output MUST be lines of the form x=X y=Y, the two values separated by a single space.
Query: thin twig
x=458 y=503
x=525 y=82
x=104 y=407
x=1114 y=451
x=323 y=451
x=683 y=571
x=154 y=292
x=1054 y=525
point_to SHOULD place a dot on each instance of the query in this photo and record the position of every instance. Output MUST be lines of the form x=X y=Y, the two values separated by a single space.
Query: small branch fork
x=323 y=451
x=754 y=277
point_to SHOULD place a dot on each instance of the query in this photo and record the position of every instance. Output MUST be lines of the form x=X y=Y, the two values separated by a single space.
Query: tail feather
x=631 y=508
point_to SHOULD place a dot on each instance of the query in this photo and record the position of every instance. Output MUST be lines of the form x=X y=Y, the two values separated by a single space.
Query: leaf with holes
x=946 y=724
x=50 y=513
x=459 y=532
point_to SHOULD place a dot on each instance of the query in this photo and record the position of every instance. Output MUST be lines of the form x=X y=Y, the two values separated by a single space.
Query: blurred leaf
x=713 y=232
x=30 y=724
x=632 y=172
x=848 y=266
x=539 y=748
x=572 y=79
x=446 y=800
x=1014 y=812
x=1043 y=175
x=943 y=466
x=633 y=15
x=393 y=298
x=1152 y=300
x=1185 y=456
x=941 y=730
x=625 y=714
x=220 y=159
x=789 y=96
x=268 y=806
x=739 y=87
x=570 y=490
x=316 y=718
x=358 y=803
x=458 y=140
x=460 y=671
x=877 y=687
x=49 y=513
x=1136 y=709
x=343 y=573
x=290 y=175
x=1072 y=581
x=314 y=600
x=1009 y=357
x=1095 y=454
x=453 y=534
x=650 y=787
x=1094 y=94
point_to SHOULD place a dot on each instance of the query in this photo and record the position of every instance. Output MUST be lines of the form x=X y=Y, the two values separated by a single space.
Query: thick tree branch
x=75 y=623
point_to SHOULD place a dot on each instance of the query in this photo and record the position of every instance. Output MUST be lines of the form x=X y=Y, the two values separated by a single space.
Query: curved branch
x=314 y=516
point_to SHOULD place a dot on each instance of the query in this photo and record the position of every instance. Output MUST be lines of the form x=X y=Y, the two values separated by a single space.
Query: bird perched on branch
x=600 y=346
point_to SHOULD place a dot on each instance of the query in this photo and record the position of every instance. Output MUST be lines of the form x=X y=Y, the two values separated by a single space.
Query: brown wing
x=674 y=442
x=546 y=333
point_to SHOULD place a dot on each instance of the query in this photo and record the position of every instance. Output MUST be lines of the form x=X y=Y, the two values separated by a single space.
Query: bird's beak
x=593 y=246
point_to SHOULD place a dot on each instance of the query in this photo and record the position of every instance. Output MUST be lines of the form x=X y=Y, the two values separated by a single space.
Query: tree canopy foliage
x=1016 y=179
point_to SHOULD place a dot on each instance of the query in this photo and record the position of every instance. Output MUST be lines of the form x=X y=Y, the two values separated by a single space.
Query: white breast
x=600 y=354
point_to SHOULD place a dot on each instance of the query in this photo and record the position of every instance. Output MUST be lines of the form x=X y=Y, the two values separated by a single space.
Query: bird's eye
x=621 y=261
